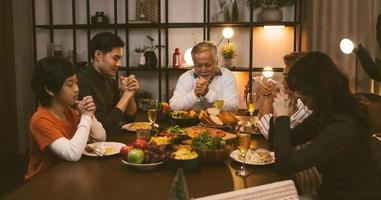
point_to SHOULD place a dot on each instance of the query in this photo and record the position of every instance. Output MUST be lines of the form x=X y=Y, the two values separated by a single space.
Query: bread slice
x=201 y=115
x=213 y=111
x=216 y=120
x=208 y=120
x=228 y=118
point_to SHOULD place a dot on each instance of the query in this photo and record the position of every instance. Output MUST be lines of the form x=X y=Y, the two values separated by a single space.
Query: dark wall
x=8 y=128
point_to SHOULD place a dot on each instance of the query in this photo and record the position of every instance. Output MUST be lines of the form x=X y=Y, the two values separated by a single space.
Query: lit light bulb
x=274 y=28
x=268 y=72
x=346 y=46
x=188 y=57
x=228 y=32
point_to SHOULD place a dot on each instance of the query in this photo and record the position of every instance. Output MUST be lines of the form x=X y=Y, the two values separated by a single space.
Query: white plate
x=129 y=127
x=236 y=155
x=143 y=166
x=106 y=148
x=213 y=126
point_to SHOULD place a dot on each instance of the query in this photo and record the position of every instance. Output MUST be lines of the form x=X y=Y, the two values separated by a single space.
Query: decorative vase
x=227 y=13
x=142 y=60
x=272 y=14
x=220 y=16
x=228 y=62
x=151 y=59
x=234 y=13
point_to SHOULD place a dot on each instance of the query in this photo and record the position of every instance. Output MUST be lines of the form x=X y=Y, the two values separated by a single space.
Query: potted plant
x=228 y=52
x=142 y=59
x=271 y=9
x=220 y=16
x=150 y=56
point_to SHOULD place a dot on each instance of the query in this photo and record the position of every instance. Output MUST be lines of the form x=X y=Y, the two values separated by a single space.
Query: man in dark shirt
x=115 y=102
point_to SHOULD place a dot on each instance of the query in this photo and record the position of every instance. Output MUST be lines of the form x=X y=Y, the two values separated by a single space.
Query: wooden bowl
x=213 y=156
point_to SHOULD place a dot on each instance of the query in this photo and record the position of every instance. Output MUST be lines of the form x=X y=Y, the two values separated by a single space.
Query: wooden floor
x=12 y=173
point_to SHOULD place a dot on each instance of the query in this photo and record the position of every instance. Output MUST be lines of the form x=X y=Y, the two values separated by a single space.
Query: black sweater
x=339 y=150
x=106 y=95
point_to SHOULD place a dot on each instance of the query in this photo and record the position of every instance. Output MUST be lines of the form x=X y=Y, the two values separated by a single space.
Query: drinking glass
x=143 y=134
x=152 y=111
x=251 y=102
x=244 y=139
x=219 y=104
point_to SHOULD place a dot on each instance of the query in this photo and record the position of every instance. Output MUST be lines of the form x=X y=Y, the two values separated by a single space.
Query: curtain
x=326 y=22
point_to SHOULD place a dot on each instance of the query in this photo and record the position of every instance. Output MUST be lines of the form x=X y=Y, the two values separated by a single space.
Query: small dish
x=99 y=149
x=138 y=125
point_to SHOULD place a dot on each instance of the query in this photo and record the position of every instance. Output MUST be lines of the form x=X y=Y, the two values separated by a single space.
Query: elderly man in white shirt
x=207 y=82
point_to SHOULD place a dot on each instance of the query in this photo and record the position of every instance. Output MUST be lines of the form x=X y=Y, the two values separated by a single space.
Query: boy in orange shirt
x=57 y=131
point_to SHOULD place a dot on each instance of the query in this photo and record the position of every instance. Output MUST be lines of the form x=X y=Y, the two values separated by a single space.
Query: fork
x=94 y=150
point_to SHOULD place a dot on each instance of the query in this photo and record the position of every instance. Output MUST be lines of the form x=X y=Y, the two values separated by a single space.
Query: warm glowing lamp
x=226 y=33
x=268 y=72
x=346 y=46
x=274 y=28
x=188 y=57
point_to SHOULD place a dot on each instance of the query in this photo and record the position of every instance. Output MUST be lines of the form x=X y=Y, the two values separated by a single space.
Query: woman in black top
x=337 y=131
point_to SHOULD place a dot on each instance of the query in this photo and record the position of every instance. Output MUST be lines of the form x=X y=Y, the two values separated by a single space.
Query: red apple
x=166 y=108
x=140 y=144
x=124 y=151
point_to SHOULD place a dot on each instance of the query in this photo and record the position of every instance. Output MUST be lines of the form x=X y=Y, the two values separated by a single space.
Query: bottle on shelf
x=177 y=58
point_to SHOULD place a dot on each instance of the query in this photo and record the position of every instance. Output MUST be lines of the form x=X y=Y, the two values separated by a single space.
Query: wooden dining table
x=108 y=178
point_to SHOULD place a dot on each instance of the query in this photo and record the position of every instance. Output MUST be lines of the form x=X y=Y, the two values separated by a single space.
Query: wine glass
x=251 y=102
x=219 y=104
x=244 y=139
x=152 y=111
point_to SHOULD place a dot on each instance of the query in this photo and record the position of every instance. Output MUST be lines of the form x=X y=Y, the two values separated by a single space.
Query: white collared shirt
x=221 y=87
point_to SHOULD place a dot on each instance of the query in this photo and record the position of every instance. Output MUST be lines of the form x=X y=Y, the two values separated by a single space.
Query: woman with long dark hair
x=338 y=131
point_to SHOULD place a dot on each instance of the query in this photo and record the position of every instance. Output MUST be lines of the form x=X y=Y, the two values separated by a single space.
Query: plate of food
x=99 y=149
x=185 y=118
x=213 y=126
x=195 y=131
x=175 y=132
x=138 y=125
x=212 y=117
x=254 y=157
x=184 y=157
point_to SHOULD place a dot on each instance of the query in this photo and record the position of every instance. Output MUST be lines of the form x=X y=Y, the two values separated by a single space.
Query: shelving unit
x=162 y=28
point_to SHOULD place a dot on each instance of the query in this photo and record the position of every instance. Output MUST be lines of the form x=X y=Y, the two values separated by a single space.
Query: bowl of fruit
x=184 y=118
x=144 y=155
x=184 y=157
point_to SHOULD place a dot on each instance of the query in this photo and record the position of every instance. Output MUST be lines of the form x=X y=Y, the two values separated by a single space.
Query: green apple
x=136 y=156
